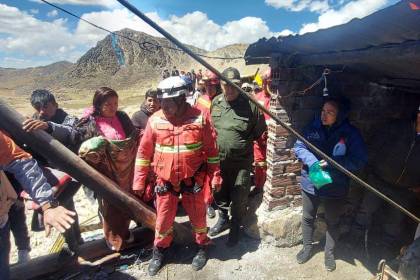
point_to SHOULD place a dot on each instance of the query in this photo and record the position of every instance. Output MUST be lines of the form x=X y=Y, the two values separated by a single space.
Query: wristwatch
x=48 y=205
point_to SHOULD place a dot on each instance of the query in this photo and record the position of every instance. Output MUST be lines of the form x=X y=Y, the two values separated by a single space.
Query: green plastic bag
x=318 y=176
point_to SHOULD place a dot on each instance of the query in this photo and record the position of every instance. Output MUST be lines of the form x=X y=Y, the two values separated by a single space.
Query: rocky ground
x=251 y=259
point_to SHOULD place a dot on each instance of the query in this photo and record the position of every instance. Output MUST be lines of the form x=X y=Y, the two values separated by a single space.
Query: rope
x=251 y=98
x=145 y=45
x=323 y=77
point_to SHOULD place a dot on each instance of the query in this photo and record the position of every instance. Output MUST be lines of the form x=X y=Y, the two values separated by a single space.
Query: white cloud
x=112 y=20
x=353 y=9
x=285 y=33
x=193 y=28
x=26 y=35
x=52 y=13
x=317 y=6
x=34 y=11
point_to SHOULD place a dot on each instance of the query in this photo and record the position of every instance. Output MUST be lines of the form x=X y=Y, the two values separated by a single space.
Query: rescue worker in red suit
x=179 y=143
x=260 y=145
x=212 y=89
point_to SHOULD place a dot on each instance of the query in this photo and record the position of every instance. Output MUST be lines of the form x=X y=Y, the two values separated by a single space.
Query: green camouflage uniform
x=238 y=123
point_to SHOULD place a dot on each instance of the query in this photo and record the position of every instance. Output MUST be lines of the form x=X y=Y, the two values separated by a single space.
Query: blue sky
x=33 y=33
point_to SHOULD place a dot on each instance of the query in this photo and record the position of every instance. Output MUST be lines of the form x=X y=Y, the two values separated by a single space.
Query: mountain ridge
x=100 y=65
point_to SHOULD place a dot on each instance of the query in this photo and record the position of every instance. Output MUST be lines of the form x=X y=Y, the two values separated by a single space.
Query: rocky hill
x=116 y=62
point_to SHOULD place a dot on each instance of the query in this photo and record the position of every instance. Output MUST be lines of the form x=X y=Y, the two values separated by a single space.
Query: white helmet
x=172 y=87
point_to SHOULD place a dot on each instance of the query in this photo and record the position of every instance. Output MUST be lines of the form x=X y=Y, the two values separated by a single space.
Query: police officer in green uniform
x=238 y=123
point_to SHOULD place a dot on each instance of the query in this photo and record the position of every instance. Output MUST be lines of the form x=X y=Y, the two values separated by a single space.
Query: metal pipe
x=265 y=110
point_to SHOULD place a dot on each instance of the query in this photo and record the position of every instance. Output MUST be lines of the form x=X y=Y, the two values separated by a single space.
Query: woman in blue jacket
x=334 y=135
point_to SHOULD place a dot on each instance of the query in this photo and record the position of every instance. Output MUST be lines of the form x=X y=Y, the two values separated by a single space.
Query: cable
x=142 y=45
x=291 y=130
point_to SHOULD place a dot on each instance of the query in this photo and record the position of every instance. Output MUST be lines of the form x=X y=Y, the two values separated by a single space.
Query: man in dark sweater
x=62 y=126
x=147 y=108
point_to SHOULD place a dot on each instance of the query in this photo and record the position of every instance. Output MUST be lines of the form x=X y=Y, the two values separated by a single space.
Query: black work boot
x=210 y=212
x=304 y=255
x=233 y=237
x=200 y=259
x=221 y=225
x=157 y=261
x=329 y=261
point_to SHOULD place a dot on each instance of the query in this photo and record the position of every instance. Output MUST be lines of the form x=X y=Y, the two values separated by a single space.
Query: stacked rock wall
x=372 y=105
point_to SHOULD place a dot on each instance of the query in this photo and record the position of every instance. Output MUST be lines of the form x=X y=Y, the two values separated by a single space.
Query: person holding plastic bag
x=332 y=133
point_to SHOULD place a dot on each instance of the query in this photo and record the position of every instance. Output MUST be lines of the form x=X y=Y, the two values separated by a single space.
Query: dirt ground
x=250 y=259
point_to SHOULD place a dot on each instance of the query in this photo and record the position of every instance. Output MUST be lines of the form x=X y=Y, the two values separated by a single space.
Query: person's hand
x=323 y=163
x=139 y=193
x=59 y=217
x=216 y=187
x=30 y=125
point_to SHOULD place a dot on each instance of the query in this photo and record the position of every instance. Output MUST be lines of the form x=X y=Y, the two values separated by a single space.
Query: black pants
x=17 y=219
x=333 y=211
x=4 y=252
x=234 y=192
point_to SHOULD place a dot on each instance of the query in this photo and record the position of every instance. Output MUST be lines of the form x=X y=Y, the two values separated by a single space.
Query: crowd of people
x=195 y=141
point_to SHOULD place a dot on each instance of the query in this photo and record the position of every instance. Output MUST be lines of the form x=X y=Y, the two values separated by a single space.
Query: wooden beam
x=89 y=253
x=42 y=143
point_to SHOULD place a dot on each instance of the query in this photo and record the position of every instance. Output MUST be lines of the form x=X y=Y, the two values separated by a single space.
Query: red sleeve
x=144 y=157
x=211 y=151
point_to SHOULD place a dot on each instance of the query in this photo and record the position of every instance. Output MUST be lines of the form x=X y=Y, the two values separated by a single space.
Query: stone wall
x=372 y=105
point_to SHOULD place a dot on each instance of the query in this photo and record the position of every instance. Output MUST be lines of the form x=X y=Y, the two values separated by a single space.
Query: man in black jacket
x=147 y=108
x=62 y=126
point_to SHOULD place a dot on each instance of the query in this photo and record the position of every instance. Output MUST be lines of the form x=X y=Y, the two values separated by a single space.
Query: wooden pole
x=88 y=252
x=42 y=143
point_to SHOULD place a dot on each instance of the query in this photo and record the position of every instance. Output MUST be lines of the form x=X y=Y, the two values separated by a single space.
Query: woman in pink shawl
x=111 y=149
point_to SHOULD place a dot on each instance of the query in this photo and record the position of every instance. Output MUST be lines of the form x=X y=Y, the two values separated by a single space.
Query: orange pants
x=166 y=207
x=208 y=195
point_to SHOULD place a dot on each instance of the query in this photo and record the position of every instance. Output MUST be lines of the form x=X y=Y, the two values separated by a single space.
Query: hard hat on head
x=210 y=78
x=172 y=87
x=232 y=74
x=267 y=74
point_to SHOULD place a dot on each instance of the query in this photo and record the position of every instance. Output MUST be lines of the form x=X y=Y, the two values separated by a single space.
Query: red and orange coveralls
x=181 y=154
x=204 y=104
x=260 y=145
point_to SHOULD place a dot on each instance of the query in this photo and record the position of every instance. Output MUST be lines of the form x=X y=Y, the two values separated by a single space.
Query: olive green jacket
x=238 y=123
